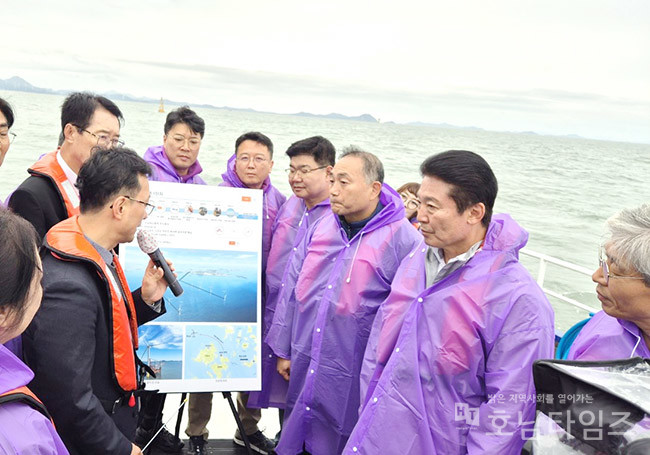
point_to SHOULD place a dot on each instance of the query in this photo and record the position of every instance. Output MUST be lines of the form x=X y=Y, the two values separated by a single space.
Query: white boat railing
x=544 y=260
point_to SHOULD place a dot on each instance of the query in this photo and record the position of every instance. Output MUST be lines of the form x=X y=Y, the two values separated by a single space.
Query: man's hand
x=154 y=283
x=135 y=450
x=284 y=368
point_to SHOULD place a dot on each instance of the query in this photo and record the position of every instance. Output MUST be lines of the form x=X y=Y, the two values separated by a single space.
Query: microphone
x=148 y=245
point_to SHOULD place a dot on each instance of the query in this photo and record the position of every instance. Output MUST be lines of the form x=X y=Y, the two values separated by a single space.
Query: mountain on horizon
x=19 y=84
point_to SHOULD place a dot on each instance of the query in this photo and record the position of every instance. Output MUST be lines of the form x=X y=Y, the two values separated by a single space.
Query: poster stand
x=227 y=396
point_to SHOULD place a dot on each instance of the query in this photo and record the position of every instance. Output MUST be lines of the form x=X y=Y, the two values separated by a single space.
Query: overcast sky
x=550 y=66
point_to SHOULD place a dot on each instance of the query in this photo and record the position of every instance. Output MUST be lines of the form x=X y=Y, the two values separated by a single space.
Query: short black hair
x=79 y=107
x=255 y=136
x=107 y=174
x=317 y=147
x=7 y=111
x=471 y=176
x=19 y=244
x=187 y=116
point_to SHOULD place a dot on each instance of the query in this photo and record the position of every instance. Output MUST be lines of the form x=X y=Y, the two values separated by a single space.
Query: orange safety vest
x=49 y=167
x=26 y=396
x=66 y=242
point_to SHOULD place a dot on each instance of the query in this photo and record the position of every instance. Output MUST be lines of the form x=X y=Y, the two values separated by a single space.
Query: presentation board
x=209 y=338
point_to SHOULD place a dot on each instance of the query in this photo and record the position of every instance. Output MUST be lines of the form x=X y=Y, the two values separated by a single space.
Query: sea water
x=560 y=189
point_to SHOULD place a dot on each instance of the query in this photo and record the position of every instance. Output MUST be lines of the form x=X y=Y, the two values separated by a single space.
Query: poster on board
x=209 y=338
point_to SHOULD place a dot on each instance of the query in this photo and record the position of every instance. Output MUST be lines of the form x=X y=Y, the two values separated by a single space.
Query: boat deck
x=214 y=447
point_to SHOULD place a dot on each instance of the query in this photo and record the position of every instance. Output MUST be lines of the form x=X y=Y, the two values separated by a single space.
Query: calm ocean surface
x=560 y=189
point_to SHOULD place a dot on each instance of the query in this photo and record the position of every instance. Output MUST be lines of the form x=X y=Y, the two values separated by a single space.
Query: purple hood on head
x=163 y=171
x=230 y=177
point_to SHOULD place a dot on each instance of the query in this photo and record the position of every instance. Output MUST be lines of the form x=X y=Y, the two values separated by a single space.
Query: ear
x=5 y=318
x=70 y=132
x=376 y=189
x=476 y=213
x=118 y=207
x=271 y=167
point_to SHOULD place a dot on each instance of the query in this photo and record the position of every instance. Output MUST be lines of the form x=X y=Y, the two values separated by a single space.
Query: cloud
x=161 y=336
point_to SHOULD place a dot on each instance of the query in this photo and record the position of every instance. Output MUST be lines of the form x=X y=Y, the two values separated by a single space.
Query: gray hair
x=373 y=169
x=630 y=238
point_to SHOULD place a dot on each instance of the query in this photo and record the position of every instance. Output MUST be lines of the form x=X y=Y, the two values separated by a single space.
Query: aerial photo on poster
x=218 y=286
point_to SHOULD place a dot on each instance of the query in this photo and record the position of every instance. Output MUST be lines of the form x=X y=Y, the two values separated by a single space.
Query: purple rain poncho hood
x=273 y=200
x=164 y=171
x=322 y=325
x=458 y=355
x=608 y=338
x=291 y=225
x=23 y=430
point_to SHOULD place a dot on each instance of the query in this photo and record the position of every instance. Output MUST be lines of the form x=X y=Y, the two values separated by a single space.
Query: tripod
x=227 y=396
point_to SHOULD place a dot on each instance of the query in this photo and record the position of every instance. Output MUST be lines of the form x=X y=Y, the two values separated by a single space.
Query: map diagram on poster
x=208 y=340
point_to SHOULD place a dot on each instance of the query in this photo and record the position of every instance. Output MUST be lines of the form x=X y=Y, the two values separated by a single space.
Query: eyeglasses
x=257 y=160
x=410 y=203
x=602 y=261
x=148 y=207
x=7 y=136
x=193 y=142
x=103 y=140
x=302 y=170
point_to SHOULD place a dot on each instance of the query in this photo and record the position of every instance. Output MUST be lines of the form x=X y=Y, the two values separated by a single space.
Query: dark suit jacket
x=67 y=347
x=38 y=201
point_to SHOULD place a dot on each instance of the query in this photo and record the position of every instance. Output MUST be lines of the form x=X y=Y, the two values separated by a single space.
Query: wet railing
x=543 y=261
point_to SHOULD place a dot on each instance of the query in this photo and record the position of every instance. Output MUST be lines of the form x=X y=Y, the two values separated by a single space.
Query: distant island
x=19 y=84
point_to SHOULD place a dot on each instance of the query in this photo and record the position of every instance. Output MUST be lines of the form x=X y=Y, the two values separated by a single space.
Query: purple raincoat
x=164 y=171
x=273 y=200
x=340 y=285
x=608 y=338
x=288 y=232
x=23 y=430
x=459 y=377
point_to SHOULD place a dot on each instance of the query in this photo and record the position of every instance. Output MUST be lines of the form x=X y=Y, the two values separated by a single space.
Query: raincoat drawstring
x=354 y=257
